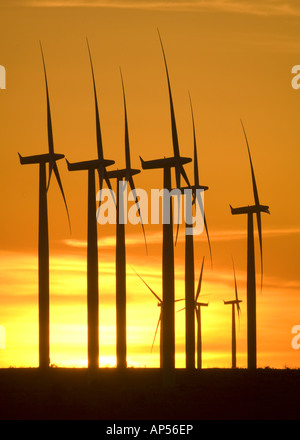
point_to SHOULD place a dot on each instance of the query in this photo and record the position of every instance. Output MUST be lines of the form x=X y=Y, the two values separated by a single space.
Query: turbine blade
x=109 y=187
x=256 y=199
x=152 y=291
x=255 y=192
x=178 y=173
x=196 y=172
x=179 y=170
x=200 y=281
x=235 y=285
x=184 y=175
x=199 y=199
x=177 y=176
x=51 y=163
x=173 y=121
x=178 y=224
x=101 y=178
x=98 y=129
x=238 y=311
x=56 y=172
x=236 y=290
x=102 y=173
x=156 y=330
x=177 y=231
x=49 y=121
x=127 y=150
x=132 y=186
x=208 y=239
x=258 y=217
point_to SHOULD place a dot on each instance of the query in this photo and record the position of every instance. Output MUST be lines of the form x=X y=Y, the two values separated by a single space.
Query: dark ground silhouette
x=138 y=394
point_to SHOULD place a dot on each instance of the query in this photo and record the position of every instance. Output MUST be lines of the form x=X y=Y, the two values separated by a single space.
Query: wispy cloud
x=269 y=7
x=154 y=238
x=110 y=241
x=241 y=234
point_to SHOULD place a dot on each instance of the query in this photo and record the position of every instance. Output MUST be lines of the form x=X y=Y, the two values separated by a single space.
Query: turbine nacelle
x=40 y=158
x=194 y=188
x=89 y=164
x=200 y=304
x=166 y=162
x=123 y=173
x=234 y=301
x=250 y=209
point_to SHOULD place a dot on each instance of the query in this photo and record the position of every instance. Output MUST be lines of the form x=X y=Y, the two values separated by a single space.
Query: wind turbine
x=234 y=303
x=43 y=242
x=195 y=307
x=189 y=260
x=257 y=209
x=120 y=175
x=177 y=162
x=160 y=319
x=91 y=166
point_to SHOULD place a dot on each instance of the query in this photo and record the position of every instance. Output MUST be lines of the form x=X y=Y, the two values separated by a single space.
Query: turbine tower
x=91 y=166
x=43 y=242
x=121 y=175
x=257 y=209
x=168 y=288
x=234 y=303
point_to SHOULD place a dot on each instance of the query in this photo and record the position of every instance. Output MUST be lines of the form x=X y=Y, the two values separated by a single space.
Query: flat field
x=146 y=394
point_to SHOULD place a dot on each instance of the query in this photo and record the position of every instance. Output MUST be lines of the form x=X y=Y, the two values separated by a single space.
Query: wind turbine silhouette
x=198 y=306
x=43 y=242
x=257 y=209
x=160 y=319
x=189 y=259
x=177 y=162
x=91 y=166
x=121 y=175
x=234 y=303
x=195 y=307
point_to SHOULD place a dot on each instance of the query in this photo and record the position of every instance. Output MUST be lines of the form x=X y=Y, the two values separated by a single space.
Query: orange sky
x=236 y=62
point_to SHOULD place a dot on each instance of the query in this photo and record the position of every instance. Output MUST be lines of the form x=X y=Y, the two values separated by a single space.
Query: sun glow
x=68 y=315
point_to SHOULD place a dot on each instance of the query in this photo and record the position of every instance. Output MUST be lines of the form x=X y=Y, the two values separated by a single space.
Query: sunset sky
x=235 y=59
